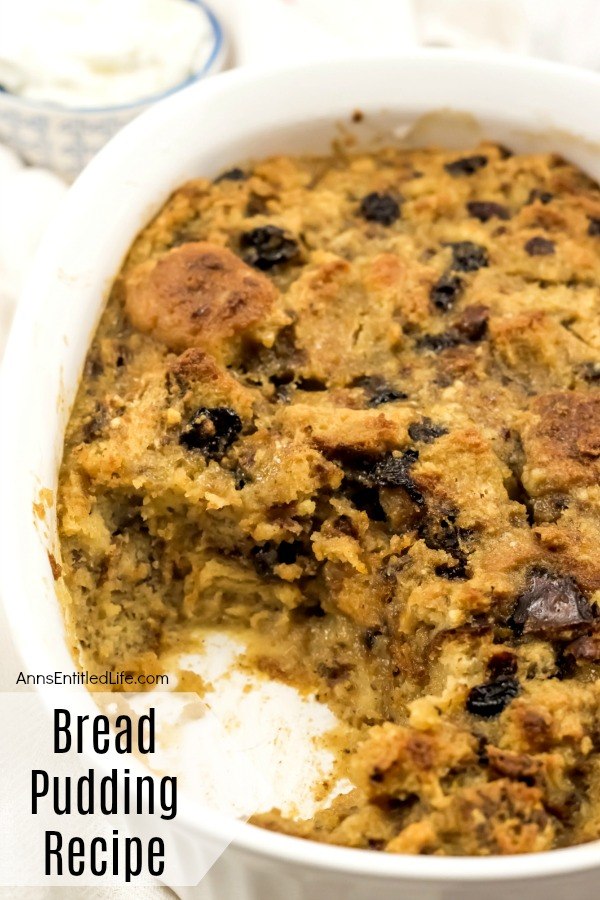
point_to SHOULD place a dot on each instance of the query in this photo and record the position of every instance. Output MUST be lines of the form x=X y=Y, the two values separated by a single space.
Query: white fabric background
x=282 y=31
x=141 y=893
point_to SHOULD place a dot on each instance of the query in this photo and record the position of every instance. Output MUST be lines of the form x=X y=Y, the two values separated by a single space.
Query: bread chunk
x=197 y=295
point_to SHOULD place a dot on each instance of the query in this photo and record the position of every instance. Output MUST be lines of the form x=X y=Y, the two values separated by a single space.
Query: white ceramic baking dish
x=203 y=130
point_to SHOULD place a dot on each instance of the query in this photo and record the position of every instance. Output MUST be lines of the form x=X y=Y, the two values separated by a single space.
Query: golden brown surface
x=197 y=295
x=352 y=405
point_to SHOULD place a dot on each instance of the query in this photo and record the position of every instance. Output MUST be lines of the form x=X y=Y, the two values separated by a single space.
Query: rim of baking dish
x=197 y=818
x=218 y=47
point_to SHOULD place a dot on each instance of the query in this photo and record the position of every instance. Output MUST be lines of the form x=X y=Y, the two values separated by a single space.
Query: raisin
x=543 y=196
x=425 y=431
x=268 y=246
x=446 y=291
x=594 y=227
x=539 y=246
x=473 y=322
x=386 y=395
x=467 y=165
x=468 y=257
x=436 y=342
x=370 y=636
x=443 y=534
x=590 y=372
x=502 y=664
x=550 y=604
x=269 y=555
x=566 y=665
x=492 y=697
x=382 y=208
x=378 y=391
x=484 y=210
x=211 y=430
x=235 y=174
x=392 y=471
x=455 y=572
x=519 y=766
x=388 y=471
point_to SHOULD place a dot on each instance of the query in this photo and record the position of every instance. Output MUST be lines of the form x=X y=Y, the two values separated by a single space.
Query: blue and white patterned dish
x=64 y=139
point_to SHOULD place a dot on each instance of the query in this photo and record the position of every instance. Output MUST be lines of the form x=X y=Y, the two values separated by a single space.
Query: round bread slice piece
x=198 y=295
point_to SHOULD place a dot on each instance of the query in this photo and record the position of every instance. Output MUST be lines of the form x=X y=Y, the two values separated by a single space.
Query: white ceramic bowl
x=235 y=116
x=65 y=138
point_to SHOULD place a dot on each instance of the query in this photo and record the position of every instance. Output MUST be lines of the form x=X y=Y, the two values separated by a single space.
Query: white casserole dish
x=203 y=130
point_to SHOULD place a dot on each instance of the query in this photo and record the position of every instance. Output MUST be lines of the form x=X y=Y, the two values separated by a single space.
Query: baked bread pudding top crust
x=349 y=407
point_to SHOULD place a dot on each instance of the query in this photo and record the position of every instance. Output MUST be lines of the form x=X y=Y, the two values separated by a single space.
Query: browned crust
x=197 y=295
x=562 y=443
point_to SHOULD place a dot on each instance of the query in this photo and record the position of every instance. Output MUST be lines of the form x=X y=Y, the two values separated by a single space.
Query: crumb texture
x=350 y=407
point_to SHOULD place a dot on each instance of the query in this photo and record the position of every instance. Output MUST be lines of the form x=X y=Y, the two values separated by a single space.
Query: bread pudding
x=349 y=408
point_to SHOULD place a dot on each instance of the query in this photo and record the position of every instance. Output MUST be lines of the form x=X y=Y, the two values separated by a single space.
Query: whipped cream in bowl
x=72 y=72
x=89 y=53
